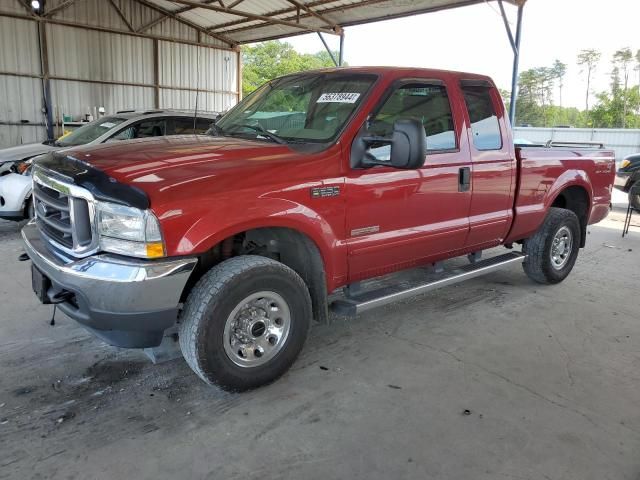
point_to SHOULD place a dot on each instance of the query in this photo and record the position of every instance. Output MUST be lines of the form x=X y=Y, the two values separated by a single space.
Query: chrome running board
x=359 y=302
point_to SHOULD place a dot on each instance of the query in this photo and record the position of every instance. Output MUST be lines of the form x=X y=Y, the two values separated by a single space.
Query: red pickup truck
x=315 y=182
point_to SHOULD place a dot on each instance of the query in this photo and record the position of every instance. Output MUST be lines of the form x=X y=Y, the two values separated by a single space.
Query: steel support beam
x=47 y=109
x=507 y=27
x=252 y=16
x=156 y=74
x=239 y=76
x=324 y=42
x=313 y=13
x=341 y=57
x=122 y=16
x=164 y=17
x=179 y=19
x=96 y=28
x=59 y=8
x=516 y=65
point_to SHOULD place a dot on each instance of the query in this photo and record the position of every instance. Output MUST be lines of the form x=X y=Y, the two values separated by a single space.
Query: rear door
x=493 y=166
x=399 y=218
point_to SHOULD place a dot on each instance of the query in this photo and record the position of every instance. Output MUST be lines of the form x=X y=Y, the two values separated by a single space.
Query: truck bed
x=545 y=171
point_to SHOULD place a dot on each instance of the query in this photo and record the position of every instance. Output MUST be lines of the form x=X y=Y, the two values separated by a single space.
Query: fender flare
x=272 y=213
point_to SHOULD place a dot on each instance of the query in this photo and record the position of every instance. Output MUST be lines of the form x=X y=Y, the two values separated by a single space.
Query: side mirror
x=407 y=145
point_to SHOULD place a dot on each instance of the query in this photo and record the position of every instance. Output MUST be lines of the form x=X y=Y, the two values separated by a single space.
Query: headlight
x=129 y=231
x=625 y=163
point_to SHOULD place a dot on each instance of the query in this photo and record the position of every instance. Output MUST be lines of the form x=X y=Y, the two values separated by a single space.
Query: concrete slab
x=498 y=378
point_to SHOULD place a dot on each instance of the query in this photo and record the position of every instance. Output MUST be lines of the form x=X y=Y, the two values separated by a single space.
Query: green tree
x=619 y=107
x=638 y=69
x=609 y=111
x=268 y=60
x=535 y=98
x=559 y=71
x=622 y=62
x=588 y=59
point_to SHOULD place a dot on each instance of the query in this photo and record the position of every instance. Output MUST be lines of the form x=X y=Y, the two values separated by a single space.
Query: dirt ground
x=496 y=378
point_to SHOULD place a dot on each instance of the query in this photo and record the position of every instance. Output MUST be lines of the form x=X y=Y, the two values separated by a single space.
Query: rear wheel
x=245 y=322
x=552 y=251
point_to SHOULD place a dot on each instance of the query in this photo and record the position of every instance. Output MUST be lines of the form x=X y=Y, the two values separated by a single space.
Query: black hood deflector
x=102 y=186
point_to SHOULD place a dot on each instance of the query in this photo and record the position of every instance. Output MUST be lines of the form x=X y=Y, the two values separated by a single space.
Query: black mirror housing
x=408 y=147
x=408 y=144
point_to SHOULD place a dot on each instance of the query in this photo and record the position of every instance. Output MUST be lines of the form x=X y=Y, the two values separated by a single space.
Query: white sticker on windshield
x=107 y=125
x=338 y=98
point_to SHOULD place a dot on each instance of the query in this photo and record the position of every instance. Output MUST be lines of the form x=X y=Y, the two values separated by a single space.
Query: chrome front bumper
x=126 y=302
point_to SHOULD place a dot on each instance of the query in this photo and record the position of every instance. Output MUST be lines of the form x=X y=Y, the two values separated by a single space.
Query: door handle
x=464 y=179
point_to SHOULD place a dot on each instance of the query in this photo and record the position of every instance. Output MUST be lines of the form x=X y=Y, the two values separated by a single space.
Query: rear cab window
x=485 y=127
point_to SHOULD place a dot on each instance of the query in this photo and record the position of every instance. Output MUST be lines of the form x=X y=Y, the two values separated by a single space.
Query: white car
x=15 y=179
x=15 y=197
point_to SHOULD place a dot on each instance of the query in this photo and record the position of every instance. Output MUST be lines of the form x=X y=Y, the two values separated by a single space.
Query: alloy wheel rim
x=257 y=329
x=561 y=246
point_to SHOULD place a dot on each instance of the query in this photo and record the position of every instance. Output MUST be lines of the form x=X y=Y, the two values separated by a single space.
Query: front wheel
x=245 y=322
x=552 y=251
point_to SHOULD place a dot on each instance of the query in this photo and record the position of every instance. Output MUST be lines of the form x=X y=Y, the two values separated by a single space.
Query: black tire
x=632 y=185
x=29 y=212
x=539 y=265
x=212 y=301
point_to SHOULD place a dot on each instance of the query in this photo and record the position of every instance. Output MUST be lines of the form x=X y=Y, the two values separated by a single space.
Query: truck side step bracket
x=367 y=300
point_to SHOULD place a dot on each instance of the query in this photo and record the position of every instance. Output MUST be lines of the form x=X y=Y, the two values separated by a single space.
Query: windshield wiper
x=264 y=132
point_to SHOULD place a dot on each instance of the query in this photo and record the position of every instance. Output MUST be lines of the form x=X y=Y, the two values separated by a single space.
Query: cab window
x=485 y=128
x=428 y=103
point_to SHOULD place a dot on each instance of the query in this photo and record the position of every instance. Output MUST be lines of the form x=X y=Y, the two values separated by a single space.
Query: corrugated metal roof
x=247 y=21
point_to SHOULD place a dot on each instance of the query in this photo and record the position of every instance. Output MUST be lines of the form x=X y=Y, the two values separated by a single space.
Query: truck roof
x=399 y=72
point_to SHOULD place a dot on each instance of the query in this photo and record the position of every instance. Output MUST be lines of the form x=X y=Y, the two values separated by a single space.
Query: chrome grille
x=53 y=214
x=64 y=214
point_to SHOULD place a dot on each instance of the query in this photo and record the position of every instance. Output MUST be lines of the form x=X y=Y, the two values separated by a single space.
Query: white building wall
x=187 y=69
x=20 y=86
x=91 y=69
x=623 y=141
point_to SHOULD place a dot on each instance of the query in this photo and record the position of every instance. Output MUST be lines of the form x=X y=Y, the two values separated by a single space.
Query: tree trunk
x=624 y=103
x=560 y=94
x=588 y=86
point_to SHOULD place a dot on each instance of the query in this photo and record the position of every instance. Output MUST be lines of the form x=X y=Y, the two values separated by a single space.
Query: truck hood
x=167 y=159
x=157 y=166
x=22 y=152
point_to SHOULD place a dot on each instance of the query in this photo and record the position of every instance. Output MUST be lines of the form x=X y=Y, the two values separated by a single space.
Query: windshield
x=301 y=108
x=89 y=132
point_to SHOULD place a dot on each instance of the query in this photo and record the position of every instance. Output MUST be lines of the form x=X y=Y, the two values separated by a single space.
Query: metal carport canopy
x=237 y=22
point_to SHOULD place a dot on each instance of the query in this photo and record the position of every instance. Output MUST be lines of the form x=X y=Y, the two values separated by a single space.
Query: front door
x=400 y=218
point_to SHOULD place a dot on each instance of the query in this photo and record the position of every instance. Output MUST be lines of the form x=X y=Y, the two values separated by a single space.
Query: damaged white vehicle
x=15 y=196
x=15 y=162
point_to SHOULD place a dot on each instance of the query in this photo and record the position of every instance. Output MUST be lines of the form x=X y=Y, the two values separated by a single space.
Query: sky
x=473 y=39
